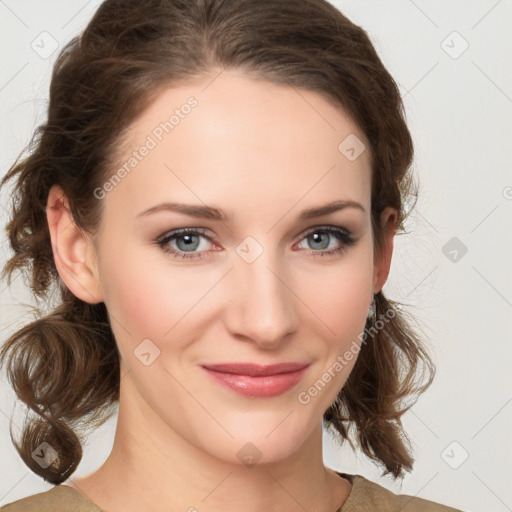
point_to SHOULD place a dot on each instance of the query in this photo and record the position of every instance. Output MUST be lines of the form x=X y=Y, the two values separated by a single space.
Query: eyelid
x=327 y=227
x=163 y=240
x=207 y=233
x=346 y=239
x=182 y=231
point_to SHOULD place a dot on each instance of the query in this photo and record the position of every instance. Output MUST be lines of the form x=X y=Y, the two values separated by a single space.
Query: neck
x=153 y=466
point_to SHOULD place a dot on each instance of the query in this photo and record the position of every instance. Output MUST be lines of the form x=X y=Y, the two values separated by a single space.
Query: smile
x=258 y=381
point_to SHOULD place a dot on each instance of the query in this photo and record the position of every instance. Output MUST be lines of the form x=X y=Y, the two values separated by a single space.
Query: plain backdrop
x=451 y=60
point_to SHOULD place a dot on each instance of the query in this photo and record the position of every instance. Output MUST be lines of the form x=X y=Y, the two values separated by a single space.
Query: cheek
x=132 y=292
x=342 y=312
x=339 y=294
x=149 y=299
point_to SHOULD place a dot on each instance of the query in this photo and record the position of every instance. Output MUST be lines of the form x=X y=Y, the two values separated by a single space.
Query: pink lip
x=258 y=381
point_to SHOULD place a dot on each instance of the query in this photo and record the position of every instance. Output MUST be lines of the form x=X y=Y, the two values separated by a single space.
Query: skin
x=264 y=153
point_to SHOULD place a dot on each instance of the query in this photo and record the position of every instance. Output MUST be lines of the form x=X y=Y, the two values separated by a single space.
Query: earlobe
x=73 y=250
x=383 y=264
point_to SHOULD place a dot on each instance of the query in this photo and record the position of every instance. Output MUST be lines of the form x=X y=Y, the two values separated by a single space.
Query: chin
x=259 y=447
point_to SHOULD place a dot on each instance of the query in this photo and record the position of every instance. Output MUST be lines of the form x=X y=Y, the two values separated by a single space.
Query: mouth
x=255 y=380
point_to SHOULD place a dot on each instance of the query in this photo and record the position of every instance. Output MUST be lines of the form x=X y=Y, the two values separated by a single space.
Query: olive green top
x=365 y=496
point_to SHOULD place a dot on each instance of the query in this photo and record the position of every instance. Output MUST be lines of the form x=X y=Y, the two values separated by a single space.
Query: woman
x=256 y=130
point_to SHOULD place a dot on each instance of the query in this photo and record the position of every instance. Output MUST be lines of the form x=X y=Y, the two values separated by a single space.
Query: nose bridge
x=263 y=308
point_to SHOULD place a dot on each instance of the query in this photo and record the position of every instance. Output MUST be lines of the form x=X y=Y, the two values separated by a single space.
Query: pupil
x=188 y=241
x=317 y=238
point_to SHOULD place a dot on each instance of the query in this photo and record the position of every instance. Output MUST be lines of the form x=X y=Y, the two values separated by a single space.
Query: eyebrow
x=209 y=212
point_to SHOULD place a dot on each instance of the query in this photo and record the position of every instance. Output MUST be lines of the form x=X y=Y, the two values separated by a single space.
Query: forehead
x=252 y=143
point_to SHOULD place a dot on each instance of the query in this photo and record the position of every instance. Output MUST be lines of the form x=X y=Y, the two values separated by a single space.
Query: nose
x=262 y=306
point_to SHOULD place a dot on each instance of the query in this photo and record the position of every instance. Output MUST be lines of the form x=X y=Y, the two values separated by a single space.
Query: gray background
x=452 y=62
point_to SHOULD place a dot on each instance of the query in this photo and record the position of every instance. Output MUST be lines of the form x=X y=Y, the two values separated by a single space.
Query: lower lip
x=260 y=387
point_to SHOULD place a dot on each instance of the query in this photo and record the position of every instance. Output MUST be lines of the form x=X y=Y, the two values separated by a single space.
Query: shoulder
x=60 y=498
x=367 y=495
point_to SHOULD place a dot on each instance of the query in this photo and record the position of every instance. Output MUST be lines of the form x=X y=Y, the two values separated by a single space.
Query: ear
x=73 y=250
x=382 y=264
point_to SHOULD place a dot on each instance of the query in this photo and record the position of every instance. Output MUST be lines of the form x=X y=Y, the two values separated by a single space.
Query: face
x=201 y=302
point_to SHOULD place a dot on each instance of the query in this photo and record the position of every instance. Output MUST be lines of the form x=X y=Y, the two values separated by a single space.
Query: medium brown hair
x=64 y=366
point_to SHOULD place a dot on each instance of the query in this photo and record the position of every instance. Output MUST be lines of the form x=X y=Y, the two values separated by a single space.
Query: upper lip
x=256 y=370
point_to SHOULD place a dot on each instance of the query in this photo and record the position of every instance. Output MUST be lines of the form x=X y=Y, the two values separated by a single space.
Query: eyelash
x=342 y=235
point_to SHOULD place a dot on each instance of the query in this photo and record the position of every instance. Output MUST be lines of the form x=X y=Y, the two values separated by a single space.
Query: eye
x=184 y=243
x=320 y=239
x=187 y=241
